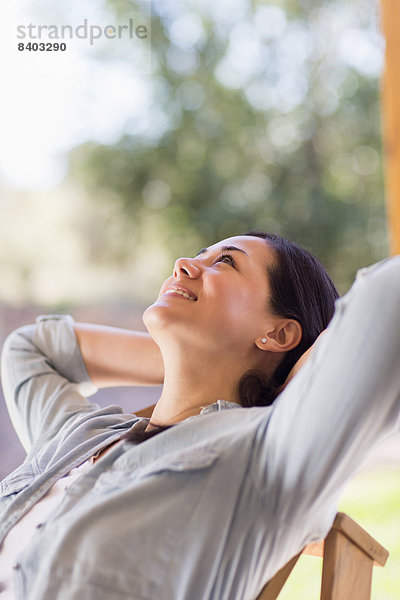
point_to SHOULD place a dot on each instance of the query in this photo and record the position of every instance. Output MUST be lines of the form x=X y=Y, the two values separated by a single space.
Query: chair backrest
x=349 y=554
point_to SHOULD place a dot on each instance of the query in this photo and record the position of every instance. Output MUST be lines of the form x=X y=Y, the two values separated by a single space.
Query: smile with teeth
x=180 y=293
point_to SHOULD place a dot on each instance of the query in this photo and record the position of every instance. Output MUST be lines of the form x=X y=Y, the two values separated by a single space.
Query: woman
x=221 y=496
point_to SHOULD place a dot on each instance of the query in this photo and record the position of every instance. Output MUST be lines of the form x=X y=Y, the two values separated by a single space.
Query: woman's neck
x=190 y=385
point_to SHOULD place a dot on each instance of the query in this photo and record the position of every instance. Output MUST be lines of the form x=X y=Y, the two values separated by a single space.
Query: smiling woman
x=261 y=301
x=222 y=495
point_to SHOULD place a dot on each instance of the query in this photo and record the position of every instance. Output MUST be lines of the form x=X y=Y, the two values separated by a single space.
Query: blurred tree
x=263 y=115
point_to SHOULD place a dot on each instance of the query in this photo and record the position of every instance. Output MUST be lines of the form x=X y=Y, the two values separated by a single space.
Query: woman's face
x=217 y=300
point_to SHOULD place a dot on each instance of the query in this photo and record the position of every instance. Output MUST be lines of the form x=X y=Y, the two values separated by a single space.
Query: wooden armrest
x=356 y=534
x=348 y=552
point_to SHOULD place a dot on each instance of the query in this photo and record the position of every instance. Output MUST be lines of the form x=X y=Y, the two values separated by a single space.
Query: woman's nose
x=186 y=267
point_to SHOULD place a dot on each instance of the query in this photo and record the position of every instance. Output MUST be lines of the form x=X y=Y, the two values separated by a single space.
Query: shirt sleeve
x=44 y=378
x=343 y=402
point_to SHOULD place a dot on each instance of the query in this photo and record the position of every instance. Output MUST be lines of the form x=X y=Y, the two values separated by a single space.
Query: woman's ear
x=286 y=335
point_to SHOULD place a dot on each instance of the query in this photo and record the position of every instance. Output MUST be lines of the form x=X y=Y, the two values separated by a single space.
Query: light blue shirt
x=209 y=509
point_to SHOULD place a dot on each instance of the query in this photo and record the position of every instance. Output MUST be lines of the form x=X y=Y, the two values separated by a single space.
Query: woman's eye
x=227 y=258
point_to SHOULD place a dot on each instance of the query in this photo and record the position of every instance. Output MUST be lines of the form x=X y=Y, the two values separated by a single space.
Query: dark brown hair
x=302 y=290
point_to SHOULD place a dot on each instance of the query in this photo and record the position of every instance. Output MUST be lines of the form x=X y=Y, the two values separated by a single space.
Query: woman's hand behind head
x=301 y=362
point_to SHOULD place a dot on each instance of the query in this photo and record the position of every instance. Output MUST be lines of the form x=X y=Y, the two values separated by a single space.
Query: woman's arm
x=115 y=356
x=44 y=379
x=343 y=401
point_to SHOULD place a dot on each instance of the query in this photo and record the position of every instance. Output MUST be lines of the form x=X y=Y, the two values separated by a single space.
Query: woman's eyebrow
x=223 y=249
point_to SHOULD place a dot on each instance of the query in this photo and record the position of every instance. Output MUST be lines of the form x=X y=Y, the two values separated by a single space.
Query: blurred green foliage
x=262 y=115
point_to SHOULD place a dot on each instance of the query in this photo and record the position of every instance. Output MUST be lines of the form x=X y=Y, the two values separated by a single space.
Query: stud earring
x=263 y=340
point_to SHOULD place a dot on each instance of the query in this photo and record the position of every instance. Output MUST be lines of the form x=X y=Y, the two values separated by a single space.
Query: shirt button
x=39 y=525
x=17 y=566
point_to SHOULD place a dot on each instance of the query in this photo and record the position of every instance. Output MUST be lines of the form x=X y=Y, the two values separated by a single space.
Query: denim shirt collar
x=218 y=406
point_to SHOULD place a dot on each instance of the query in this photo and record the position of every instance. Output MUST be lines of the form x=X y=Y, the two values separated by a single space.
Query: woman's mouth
x=179 y=292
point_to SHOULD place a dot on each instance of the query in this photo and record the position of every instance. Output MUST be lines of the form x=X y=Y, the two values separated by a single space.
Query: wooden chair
x=349 y=554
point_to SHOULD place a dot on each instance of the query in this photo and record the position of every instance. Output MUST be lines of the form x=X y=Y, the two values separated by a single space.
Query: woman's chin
x=156 y=315
x=149 y=315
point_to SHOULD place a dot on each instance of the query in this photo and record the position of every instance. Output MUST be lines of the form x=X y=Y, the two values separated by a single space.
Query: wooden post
x=391 y=118
x=349 y=556
x=346 y=570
